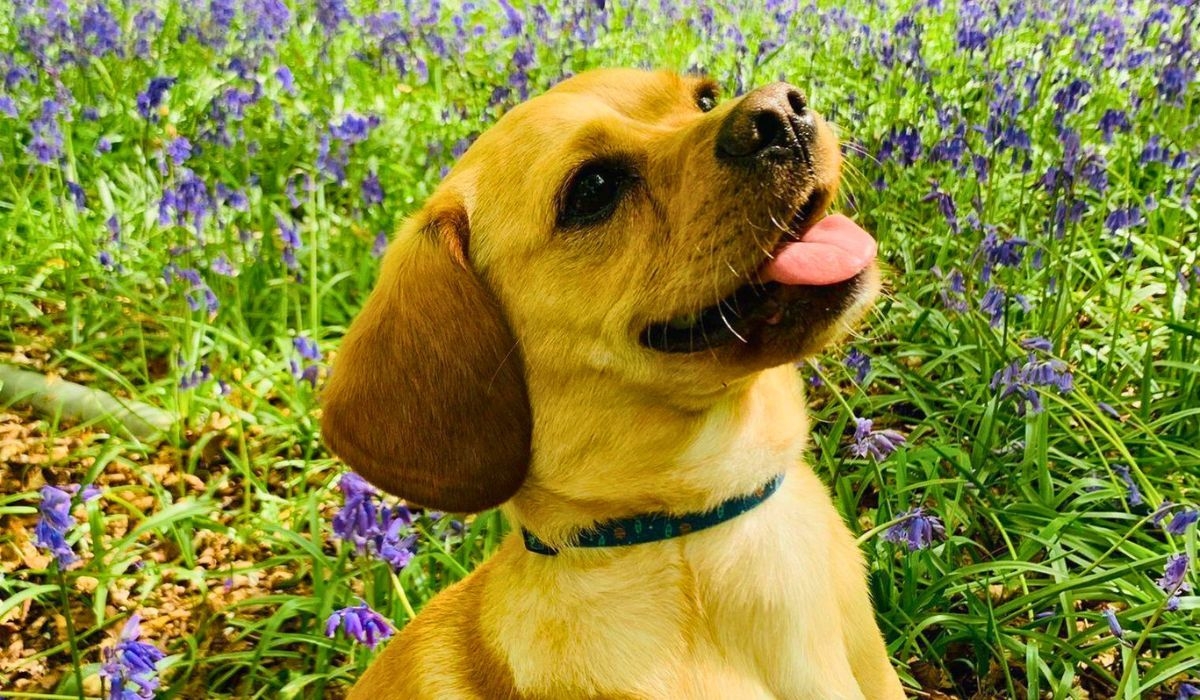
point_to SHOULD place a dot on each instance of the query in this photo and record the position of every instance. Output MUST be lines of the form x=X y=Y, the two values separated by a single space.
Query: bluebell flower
x=860 y=362
x=1109 y=410
x=1161 y=512
x=78 y=196
x=222 y=266
x=361 y=623
x=331 y=14
x=8 y=107
x=1036 y=343
x=953 y=293
x=265 y=19
x=54 y=521
x=131 y=666
x=1133 y=494
x=289 y=236
x=179 y=150
x=372 y=527
x=47 y=143
x=149 y=100
x=1182 y=519
x=1174 y=579
x=380 y=245
x=353 y=127
x=189 y=201
x=1122 y=219
x=878 y=444
x=286 y=80
x=307 y=348
x=1114 y=625
x=372 y=190
x=1022 y=381
x=1003 y=253
x=99 y=33
x=916 y=529
x=1186 y=691
x=193 y=379
x=992 y=304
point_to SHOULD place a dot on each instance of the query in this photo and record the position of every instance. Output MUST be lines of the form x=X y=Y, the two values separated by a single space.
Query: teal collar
x=653 y=527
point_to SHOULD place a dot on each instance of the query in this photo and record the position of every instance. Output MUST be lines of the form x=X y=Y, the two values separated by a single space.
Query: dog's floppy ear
x=427 y=396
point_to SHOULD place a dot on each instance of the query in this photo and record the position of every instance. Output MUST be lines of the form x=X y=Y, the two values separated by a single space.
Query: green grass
x=221 y=535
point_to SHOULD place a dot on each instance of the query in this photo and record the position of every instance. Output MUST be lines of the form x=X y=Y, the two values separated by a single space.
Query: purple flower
x=380 y=244
x=877 y=444
x=1121 y=219
x=190 y=201
x=992 y=304
x=1036 y=343
x=130 y=666
x=332 y=13
x=78 y=196
x=307 y=348
x=1004 y=253
x=860 y=362
x=289 y=235
x=222 y=266
x=1022 y=381
x=99 y=33
x=353 y=128
x=371 y=526
x=1114 y=625
x=53 y=523
x=1163 y=508
x=284 y=75
x=361 y=623
x=1182 y=519
x=1174 y=579
x=954 y=291
x=1108 y=409
x=193 y=379
x=1185 y=691
x=372 y=190
x=916 y=530
x=179 y=150
x=47 y=143
x=1174 y=574
x=1132 y=494
x=396 y=549
x=266 y=19
x=149 y=100
x=7 y=107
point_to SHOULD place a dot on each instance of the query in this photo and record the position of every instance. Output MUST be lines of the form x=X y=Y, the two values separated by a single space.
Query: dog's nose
x=770 y=123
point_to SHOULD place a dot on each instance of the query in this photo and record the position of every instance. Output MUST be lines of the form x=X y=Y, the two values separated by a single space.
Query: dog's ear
x=427 y=397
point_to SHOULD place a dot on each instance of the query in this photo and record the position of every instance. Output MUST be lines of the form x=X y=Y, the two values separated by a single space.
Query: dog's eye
x=706 y=101
x=592 y=195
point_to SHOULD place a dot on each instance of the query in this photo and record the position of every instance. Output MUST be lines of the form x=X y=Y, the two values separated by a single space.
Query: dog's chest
x=728 y=612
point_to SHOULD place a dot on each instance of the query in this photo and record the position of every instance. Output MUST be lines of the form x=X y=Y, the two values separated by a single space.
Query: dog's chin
x=763 y=325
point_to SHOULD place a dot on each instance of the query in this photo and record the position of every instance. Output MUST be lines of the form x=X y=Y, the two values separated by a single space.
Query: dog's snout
x=770 y=123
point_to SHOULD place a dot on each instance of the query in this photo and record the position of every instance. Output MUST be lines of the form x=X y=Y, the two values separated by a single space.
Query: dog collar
x=654 y=527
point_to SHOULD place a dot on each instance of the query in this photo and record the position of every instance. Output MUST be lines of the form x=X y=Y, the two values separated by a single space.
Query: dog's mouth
x=813 y=267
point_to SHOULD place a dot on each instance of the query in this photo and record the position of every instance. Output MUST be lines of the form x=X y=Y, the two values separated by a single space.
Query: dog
x=593 y=323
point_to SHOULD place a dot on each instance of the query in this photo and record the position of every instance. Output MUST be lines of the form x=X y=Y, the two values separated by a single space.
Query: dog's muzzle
x=770 y=125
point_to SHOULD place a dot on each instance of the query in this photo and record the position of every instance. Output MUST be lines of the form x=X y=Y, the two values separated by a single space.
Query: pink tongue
x=833 y=250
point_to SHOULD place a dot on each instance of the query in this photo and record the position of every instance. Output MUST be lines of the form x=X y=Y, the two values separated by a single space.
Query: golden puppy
x=593 y=322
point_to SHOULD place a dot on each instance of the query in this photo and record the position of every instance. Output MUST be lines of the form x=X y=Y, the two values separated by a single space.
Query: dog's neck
x=673 y=461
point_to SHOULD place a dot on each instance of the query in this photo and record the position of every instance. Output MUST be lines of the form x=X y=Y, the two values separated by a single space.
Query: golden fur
x=497 y=361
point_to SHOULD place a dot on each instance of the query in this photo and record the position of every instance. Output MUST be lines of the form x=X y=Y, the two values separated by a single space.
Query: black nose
x=771 y=123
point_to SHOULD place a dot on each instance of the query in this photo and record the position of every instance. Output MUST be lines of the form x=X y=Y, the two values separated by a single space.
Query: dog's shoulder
x=442 y=653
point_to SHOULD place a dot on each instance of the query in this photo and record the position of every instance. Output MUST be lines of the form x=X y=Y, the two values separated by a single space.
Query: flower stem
x=71 y=639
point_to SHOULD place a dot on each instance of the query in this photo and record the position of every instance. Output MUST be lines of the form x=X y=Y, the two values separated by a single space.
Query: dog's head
x=625 y=228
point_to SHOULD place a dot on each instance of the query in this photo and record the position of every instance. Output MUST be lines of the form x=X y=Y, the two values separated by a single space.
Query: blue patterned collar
x=653 y=527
